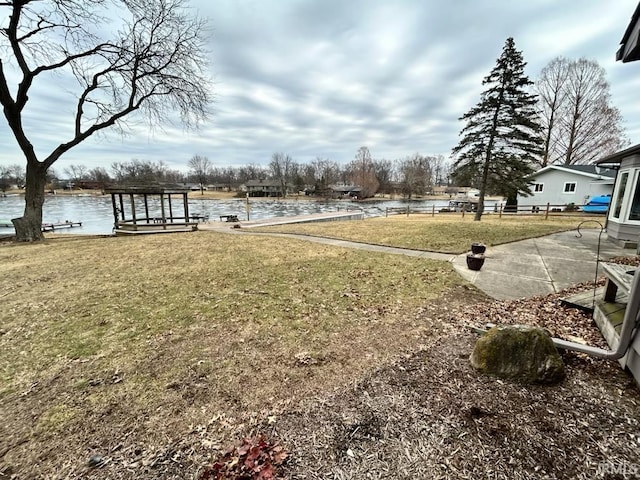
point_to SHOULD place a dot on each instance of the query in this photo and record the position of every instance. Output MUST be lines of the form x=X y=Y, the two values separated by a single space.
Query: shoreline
x=194 y=195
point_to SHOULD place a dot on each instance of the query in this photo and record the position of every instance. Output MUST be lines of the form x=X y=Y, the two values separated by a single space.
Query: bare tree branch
x=154 y=63
x=580 y=124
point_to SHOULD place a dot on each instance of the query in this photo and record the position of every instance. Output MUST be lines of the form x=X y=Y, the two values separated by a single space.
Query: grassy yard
x=157 y=352
x=107 y=339
x=442 y=233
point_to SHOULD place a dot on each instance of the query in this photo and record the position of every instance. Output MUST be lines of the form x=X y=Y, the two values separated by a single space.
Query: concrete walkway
x=537 y=266
x=540 y=266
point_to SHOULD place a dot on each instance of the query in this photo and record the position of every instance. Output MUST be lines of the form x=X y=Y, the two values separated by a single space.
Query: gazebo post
x=115 y=210
x=186 y=206
x=170 y=208
x=164 y=219
x=133 y=210
x=146 y=208
x=121 y=207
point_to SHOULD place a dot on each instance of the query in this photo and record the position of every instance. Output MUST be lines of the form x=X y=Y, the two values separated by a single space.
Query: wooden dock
x=310 y=218
x=50 y=227
x=126 y=228
x=46 y=227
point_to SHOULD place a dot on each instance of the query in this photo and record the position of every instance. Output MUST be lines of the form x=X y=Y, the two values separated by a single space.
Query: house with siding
x=266 y=188
x=623 y=221
x=562 y=185
x=345 y=190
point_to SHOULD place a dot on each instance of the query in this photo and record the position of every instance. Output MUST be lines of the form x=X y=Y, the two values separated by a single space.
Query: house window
x=538 y=187
x=634 y=212
x=620 y=195
x=570 y=187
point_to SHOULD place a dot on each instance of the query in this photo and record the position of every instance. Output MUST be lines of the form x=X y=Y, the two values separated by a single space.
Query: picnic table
x=199 y=217
x=229 y=218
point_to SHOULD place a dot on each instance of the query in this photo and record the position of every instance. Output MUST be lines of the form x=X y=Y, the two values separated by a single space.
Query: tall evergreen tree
x=501 y=138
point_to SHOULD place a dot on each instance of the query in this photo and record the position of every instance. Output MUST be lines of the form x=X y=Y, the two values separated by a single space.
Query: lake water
x=96 y=214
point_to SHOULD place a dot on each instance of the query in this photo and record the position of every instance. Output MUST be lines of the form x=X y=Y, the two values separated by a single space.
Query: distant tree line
x=414 y=175
x=10 y=176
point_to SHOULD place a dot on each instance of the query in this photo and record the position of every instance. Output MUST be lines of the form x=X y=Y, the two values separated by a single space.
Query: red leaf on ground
x=267 y=473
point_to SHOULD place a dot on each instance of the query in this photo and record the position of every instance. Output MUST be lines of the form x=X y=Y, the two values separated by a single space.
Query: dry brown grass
x=447 y=233
x=155 y=353
x=210 y=194
x=134 y=341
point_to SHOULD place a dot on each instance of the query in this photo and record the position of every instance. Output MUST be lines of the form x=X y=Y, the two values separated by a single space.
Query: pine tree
x=501 y=138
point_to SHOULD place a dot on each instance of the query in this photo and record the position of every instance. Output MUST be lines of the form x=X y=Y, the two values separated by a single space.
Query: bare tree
x=139 y=172
x=201 y=169
x=76 y=173
x=325 y=173
x=440 y=168
x=5 y=179
x=252 y=171
x=363 y=173
x=308 y=174
x=416 y=175
x=552 y=97
x=227 y=176
x=579 y=122
x=153 y=62
x=384 y=174
x=100 y=176
x=280 y=167
x=171 y=175
x=17 y=174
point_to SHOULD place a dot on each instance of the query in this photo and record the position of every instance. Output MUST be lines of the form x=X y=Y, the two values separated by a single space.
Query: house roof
x=151 y=189
x=345 y=188
x=592 y=171
x=618 y=156
x=263 y=183
x=629 y=50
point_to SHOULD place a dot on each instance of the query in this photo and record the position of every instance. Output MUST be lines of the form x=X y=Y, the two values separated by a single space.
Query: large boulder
x=518 y=352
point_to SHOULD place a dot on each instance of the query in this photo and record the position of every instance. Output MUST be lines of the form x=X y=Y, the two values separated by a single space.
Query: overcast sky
x=320 y=78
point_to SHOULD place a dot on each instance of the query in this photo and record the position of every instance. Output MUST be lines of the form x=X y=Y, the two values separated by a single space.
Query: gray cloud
x=323 y=78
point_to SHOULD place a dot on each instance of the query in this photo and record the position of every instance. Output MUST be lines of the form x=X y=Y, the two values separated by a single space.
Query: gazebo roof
x=152 y=189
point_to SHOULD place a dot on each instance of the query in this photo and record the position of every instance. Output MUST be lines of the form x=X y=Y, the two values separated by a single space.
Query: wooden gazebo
x=151 y=209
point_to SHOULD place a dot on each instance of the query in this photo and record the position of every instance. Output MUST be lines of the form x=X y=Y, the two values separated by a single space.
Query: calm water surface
x=96 y=214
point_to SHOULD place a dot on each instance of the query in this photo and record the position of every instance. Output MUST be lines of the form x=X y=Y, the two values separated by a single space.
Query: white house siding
x=553 y=182
x=620 y=227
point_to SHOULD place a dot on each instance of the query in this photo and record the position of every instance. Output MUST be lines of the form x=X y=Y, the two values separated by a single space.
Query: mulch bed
x=430 y=415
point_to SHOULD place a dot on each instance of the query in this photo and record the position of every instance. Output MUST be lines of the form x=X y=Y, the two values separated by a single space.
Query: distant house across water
x=266 y=188
x=346 y=190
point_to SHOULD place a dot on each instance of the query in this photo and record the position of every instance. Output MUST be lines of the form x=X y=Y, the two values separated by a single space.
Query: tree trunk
x=547 y=140
x=569 y=160
x=487 y=161
x=29 y=226
x=512 y=202
x=483 y=185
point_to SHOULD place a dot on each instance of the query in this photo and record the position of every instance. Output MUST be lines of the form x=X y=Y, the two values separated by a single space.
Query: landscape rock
x=518 y=352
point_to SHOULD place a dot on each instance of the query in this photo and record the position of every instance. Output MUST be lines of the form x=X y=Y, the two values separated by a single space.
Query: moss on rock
x=518 y=352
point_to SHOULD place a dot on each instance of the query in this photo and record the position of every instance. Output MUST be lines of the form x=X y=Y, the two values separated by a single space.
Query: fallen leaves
x=255 y=458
